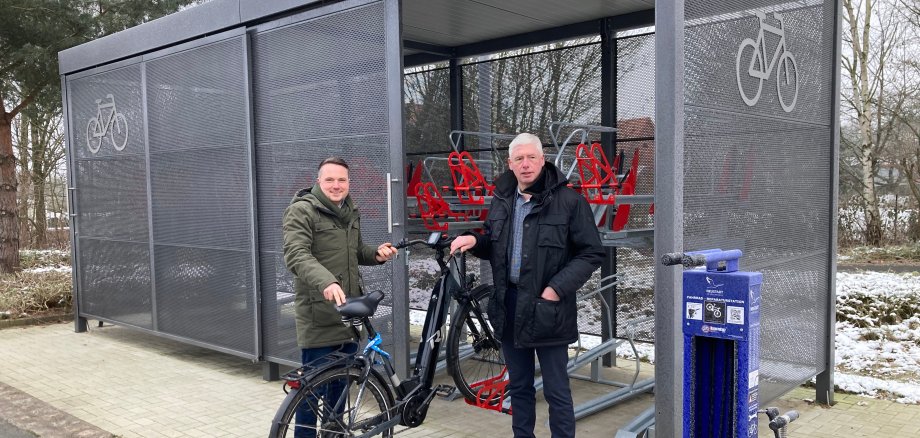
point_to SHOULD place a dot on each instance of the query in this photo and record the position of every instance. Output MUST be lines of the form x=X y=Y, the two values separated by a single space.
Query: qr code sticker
x=735 y=315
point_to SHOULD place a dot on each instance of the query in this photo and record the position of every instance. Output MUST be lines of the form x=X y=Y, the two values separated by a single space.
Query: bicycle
x=367 y=402
x=115 y=123
x=759 y=69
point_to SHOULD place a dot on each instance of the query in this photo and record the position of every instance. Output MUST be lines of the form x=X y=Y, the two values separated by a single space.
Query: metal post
x=824 y=381
x=456 y=99
x=608 y=142
x=394 y=78
x=669 y=230
x=251 y=165
x=154 y=319
x=79 y=323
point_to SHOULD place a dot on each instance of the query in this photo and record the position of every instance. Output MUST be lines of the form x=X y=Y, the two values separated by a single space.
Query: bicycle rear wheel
x=344 y=404
x=473 y=353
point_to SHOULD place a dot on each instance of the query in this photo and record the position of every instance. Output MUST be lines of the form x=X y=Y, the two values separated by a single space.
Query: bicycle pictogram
x=716 y=311
x=115 y=126
x=787 y=71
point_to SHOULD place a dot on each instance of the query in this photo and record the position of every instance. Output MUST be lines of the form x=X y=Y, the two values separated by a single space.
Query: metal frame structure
x=218 y=19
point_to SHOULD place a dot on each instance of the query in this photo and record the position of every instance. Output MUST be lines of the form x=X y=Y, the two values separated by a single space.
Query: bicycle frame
x=762 y=47
x=417 y=390
x=103 y=128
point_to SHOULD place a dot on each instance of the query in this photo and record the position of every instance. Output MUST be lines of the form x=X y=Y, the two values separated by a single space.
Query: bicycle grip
x=691 y=260
x=672 y=258
x=783 y=420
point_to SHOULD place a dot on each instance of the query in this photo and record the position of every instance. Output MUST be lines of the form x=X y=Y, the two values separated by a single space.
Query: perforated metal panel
x=533 y=89
x=115 y=281
x=635 y=296
x=199 y=176
x=427 y=100
x=111 y=223
x=319 y=90
x=757 y=164
x=206 y=295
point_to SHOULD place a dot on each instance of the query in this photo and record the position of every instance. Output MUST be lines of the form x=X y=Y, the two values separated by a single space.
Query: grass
x=898 y=254
x=44 y=285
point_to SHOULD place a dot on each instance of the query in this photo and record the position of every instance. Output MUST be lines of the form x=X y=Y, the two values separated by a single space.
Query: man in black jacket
x=543 y=244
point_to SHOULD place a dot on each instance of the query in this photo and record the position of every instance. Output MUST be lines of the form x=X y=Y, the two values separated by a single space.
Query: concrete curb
x=44 y=319
x=33 y=415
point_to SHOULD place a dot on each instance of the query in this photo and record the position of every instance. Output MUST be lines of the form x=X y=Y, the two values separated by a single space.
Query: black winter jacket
x=561 y=248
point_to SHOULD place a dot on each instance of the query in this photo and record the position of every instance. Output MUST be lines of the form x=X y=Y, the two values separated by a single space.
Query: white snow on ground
x=900 y=392
x=879 y=360
x=48 y=269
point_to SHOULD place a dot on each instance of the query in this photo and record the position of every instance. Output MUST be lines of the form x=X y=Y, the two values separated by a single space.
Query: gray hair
x=525 y=138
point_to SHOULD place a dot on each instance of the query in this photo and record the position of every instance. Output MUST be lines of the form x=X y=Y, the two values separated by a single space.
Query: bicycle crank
x=415 y=409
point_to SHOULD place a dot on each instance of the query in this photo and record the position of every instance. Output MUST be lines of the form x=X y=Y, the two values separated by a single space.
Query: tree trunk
x=37 y=181
x=24 y=176
x=863 y=102
x=9 y=223
x=41 y=218
x=873 y=234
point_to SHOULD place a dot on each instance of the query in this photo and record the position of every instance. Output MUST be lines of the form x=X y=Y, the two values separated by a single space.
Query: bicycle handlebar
x=679 y=258
x=443 y=242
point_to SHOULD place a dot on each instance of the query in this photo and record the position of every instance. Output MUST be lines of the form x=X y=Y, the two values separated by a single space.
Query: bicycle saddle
x=361 y=306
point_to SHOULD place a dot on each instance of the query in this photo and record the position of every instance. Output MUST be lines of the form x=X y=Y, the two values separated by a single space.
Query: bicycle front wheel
x=473 y=353
x=338 y=402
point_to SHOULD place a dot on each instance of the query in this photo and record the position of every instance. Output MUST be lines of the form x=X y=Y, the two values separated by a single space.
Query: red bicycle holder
x=598 y=178
x=434 y=210
x=469 y=184
x=628 y=187
x=490 y=393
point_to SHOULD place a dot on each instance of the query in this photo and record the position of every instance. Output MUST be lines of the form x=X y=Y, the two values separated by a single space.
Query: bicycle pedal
x=444 y=390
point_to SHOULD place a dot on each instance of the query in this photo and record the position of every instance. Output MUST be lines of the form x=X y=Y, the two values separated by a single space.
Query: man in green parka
x=323 y=248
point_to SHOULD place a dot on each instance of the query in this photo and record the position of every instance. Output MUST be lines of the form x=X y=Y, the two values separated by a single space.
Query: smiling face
x=526 y=162
x=333 y=181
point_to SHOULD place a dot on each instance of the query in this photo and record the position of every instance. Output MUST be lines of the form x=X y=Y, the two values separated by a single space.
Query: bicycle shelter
x=188 y=136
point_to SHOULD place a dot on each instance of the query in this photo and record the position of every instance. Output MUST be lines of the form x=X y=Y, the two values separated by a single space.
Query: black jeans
x=521 y=369
x=304 y=415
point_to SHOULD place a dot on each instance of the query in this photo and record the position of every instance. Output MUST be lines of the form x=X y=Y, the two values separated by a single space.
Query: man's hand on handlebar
x=385 y=252
x=463 y=243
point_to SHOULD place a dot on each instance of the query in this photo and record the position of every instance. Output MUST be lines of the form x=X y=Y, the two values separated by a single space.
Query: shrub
x=44 y=284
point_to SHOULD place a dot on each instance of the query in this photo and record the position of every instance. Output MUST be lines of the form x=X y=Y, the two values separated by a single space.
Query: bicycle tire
x=120 y=127
x=376 y=404
x=471 y=327
x=749 y=101
x=91 y=135
x=783 y=72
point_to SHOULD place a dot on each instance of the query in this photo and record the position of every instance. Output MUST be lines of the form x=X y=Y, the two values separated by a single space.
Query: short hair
x=525 y=138
x=332 y=160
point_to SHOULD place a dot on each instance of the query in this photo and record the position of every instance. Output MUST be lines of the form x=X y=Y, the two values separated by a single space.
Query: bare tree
x=872 y=101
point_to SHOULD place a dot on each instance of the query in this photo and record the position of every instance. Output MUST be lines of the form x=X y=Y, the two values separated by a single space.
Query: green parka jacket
x=323 y=245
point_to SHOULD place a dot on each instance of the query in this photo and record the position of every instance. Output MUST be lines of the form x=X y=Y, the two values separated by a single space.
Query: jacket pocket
x=553 y=230
x=548 y=321
x=496 y=223
x=327 y=237
x=325 y=315
x=551 y=246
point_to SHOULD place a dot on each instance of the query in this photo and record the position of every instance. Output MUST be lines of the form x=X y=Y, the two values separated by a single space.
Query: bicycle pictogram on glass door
x=112 y=124
x=752 y=60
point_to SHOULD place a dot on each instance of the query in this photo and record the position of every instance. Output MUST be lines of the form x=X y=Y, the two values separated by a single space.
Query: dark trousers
x=305 y=417
x=521 y=370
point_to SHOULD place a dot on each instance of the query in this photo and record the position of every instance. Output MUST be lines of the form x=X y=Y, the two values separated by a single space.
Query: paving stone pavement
x=115 y=381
